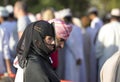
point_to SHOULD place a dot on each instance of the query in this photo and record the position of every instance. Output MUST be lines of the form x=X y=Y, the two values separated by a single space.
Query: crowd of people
x=55 y=46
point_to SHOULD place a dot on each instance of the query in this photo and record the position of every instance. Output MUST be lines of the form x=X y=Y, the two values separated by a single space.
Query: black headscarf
x=33 y=38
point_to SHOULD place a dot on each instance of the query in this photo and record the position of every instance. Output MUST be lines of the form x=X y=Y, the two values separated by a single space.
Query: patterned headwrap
x=61 y=28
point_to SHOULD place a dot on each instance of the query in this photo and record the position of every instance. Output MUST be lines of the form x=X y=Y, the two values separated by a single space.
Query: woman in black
x=34 y=49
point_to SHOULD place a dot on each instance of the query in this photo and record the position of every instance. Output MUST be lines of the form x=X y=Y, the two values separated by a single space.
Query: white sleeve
x=105 y=42
x=5 y=46
x=22 y=25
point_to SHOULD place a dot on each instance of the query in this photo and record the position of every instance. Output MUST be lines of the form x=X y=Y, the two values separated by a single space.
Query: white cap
x=115 y=12
x=3 y=12
x=9 y=8
x=92 y=9
x=63 y=13
x=57 y=14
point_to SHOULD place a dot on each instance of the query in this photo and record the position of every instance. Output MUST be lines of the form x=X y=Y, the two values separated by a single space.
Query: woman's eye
x=50 y=38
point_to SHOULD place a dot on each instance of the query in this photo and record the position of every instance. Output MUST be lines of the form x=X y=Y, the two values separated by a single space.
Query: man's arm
x=20 y=34
x=6 y=53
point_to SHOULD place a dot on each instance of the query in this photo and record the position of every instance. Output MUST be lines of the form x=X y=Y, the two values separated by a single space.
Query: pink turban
x=61 y=28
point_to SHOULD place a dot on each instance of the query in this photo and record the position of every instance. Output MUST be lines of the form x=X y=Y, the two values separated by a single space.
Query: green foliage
x=106 y=5
x=1 y=3
x=5 y=2
x=113 y=4
x=42 y=4
x=78 y=7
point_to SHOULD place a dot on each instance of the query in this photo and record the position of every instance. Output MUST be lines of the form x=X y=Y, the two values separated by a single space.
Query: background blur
x=78 y=7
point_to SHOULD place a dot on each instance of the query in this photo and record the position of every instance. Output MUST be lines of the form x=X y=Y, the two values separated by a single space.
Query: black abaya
x=39 y=69
x=33 y=53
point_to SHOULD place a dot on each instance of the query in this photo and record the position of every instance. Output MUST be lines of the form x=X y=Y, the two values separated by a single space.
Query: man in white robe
x=108 y=41
x=109 y=69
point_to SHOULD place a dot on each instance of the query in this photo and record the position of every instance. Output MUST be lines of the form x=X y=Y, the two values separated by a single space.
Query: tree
x=78 y=7
x=106 y=5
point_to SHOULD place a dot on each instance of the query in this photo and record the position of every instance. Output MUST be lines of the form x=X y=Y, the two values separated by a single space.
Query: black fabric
x=33 y=54
x=39 y=70
x=33 y=37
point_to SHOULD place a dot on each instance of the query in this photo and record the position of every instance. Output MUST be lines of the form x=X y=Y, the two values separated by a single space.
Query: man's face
x=85 y=21
x=16 y=10
x=59 y=42
x=91 y=16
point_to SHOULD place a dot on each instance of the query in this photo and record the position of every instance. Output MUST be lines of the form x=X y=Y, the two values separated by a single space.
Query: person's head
x=92 y=12
x=62 y=31
x=38 y=37
x=85 y=21
x=3 y=14
x=20 y=8
x=9 y=8
x=115 y=14
x=38 y=16
x=47 y=14
x=68 y=19
x=67 y=16
x=64 y=14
